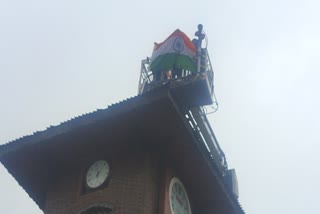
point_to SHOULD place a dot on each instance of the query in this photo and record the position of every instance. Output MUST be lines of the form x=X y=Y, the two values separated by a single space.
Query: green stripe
x=166 y=62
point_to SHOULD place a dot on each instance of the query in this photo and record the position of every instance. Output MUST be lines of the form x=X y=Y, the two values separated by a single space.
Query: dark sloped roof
x=76 y=122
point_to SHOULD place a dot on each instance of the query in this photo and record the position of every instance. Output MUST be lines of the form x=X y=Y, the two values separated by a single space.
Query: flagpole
x=199 y=58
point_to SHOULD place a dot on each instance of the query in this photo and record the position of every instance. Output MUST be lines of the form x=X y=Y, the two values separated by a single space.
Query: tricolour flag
x=176 y=51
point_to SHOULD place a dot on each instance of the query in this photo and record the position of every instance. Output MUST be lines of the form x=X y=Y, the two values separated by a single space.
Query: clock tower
x=154 y=153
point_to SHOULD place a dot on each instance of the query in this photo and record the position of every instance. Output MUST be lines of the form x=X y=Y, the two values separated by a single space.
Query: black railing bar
x=214 y=154
x=207 y=129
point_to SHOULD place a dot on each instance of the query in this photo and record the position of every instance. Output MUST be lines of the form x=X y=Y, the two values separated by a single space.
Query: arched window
x=99 y=209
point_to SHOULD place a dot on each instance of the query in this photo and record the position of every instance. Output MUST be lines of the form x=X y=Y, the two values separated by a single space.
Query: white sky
x=60 y=59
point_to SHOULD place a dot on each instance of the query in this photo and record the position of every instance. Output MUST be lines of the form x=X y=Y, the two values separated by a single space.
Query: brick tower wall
x=133 y=187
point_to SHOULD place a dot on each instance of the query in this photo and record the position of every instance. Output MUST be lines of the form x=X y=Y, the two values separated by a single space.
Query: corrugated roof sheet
x=68 y=125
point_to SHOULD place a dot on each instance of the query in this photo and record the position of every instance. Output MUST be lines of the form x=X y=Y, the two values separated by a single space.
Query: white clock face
x=179 y=202
x=97 y=174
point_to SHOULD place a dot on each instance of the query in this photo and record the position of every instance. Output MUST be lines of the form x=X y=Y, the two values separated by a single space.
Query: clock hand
x=179 y=200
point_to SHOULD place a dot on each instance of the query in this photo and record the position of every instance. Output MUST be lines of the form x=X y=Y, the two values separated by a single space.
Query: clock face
x=179 y=202
x=97 y=174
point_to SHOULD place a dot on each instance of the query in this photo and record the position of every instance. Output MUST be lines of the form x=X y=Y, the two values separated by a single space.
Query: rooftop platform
x=190 y=90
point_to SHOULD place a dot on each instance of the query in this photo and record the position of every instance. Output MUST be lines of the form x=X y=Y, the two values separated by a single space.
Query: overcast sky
x=60 y=59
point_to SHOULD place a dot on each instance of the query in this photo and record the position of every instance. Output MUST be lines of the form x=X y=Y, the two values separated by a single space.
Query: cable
x=206 y=38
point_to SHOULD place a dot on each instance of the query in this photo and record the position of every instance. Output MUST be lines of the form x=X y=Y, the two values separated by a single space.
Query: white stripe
x=167 y=47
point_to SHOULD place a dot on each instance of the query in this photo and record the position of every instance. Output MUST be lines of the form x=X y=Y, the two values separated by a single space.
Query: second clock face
x=97 y=174
x=179 y=202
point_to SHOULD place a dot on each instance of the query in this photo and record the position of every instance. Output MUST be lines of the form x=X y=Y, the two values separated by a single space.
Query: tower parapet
x=182 y=65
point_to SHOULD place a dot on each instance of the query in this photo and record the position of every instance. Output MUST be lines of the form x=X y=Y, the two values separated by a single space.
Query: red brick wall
x=132 y=188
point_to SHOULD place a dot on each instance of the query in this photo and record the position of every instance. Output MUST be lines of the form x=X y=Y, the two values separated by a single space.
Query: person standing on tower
x=200 y=51
x=200 y=35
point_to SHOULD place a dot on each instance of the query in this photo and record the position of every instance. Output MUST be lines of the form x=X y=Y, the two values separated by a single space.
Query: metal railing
x=208 y=70
x=199 y=123
x=147 y=83
x=146 y=75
